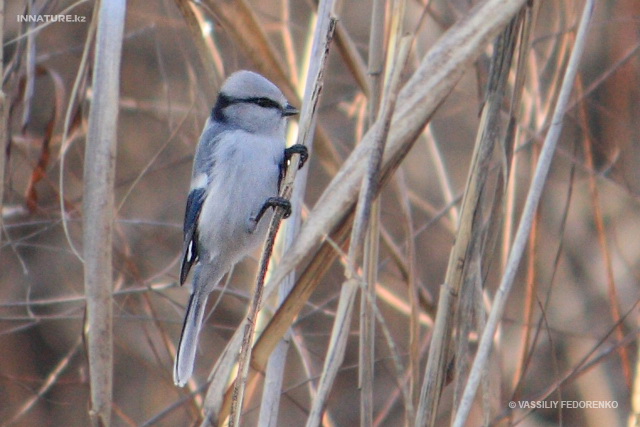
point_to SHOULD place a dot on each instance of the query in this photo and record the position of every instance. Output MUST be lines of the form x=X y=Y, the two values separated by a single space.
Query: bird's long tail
x=186 y=355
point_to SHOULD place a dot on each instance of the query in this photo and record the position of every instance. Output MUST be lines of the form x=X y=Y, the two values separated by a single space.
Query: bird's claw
x=300 y=149
x=274 y=202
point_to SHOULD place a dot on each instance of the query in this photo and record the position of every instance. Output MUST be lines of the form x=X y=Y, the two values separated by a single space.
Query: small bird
x=237 y=171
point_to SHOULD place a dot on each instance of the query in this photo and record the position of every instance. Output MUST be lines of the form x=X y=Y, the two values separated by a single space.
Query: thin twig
x=276 y=367
x=207 y=52
x=68 y=118
x=601 y=230
x=49 y=382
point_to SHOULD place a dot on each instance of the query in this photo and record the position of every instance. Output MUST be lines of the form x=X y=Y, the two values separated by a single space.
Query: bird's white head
x=250 y=102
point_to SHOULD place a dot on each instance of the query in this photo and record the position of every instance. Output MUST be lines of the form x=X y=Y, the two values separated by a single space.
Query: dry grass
x=455 y=292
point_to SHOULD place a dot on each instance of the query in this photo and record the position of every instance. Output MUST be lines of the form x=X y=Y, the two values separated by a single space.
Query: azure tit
x=237 y=171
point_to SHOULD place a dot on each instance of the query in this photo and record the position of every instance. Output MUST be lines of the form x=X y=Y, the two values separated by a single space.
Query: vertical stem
x=3 y=123
x=367 y=324
x=98 y=207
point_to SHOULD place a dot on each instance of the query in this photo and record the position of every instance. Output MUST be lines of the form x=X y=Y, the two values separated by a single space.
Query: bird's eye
x=266 y=103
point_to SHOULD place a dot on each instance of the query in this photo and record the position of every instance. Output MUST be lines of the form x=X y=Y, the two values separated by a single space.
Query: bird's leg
x=274 y=202
x=296 y=149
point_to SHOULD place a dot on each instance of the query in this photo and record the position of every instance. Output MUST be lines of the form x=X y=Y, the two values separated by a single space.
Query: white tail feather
x=186 y=355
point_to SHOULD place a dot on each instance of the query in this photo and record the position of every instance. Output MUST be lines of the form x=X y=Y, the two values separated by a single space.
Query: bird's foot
x=300 y=149
x=272 y=202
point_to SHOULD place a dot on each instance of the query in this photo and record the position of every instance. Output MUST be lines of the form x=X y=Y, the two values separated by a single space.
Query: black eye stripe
x=225 y=100
x=263 y=102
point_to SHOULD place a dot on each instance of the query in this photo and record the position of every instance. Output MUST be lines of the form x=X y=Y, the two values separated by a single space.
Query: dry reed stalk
x=312 y=59
x=413 y=369
x=276 y=367
x=634 y=416
x=322 y=40
x=375 y=71
x=4 y=111
x=98 y=207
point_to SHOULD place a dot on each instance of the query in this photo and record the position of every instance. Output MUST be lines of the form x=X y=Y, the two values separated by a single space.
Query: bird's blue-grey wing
x=202 y=169
x=190 y=246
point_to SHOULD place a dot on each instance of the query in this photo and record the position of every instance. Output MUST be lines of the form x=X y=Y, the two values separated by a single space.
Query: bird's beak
x=289 y=110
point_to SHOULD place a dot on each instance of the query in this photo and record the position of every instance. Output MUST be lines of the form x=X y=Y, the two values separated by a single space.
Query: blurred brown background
x=165 y=99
